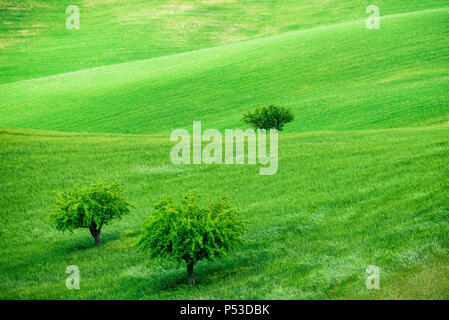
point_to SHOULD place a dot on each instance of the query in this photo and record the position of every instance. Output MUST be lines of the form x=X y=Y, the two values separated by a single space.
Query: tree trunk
x=190 y=273
x=96 y=234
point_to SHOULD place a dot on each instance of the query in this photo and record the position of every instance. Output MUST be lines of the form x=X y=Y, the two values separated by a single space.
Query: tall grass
x=340 y=201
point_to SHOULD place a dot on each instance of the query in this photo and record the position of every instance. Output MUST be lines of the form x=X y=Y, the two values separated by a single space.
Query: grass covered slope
x=34 y=41
x=362 y=176
x=340 y=201
x=335 y=77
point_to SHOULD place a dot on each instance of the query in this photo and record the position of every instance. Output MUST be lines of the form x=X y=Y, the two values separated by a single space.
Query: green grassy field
x=363 y=170
x=35 y=42
x=340 y=201
x=335 y=77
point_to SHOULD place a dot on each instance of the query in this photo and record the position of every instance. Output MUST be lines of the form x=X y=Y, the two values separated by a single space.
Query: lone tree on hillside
x=91 y=208
x=267 y=118
x=189 y=232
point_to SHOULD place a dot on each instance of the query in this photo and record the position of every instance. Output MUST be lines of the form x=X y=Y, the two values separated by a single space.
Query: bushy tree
x=188 y=232
x=90 y=208
x=267 y=118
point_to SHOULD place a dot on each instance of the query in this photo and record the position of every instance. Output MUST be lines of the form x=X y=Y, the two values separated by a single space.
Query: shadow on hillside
x=166 y=279
x=87 y=242
x=55 y=250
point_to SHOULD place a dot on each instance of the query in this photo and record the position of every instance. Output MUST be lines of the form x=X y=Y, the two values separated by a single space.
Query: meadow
x=362 y=178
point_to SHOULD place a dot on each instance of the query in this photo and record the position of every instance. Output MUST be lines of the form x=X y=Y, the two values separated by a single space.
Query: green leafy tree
x=188 y=232
x=90 y=208
x=267 y=118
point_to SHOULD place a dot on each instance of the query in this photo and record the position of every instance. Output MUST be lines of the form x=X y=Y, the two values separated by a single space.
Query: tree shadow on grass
x=88 y=242
x=166 y=279
x=54 y=251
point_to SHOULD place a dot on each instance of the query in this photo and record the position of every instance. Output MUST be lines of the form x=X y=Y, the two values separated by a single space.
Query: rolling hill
x=335 y=77
x=35 y=43
x=363 y=175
